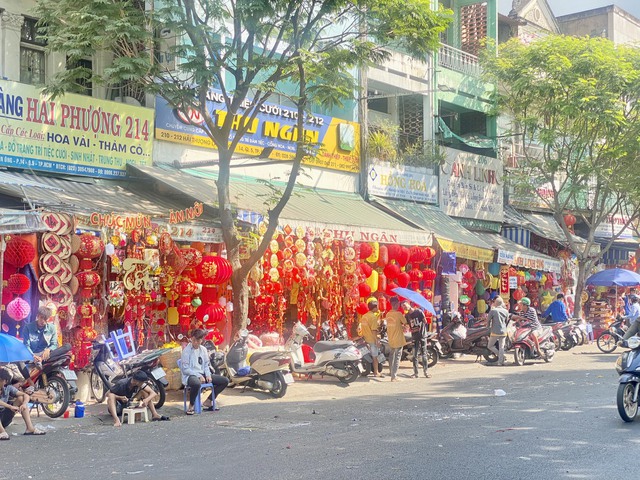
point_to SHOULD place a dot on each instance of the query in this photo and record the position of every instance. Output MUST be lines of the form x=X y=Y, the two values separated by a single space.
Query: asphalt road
x=556 y=421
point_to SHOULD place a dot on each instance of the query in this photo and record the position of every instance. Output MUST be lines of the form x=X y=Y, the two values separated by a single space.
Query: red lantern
x=416 y=275
x=403 y=280
x=569 y=220
x=382 y=282
x=428 y=294
x=19 y=252
x=87 y=281
x=362 y=308
x=364 y=290
x=383 y=256
x=430 y=253
x=18 y=309
x=18 y=284
x=186 y=287
x=392 y=271
x=518 y=294
x=213 y=270
x=394 y=251
x=429 y=274
x=417 y=255
x=390 y=289
x=90 y=246
x=365 y=269
x=365 y=250
x=210 y=314
x=403 y=256
x=383 y=305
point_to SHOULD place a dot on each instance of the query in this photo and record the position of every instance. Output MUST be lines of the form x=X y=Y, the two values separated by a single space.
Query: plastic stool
x=132 y=412
x=197 y=407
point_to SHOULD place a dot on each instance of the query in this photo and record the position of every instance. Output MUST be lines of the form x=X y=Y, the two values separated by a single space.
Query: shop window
x=473 y=27
x=411 y=116
x=83 y=84
x=380 y=104
x=473 y=122
x=32 y=55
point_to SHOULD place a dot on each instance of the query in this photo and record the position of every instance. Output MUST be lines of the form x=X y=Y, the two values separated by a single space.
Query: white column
x=10 y=27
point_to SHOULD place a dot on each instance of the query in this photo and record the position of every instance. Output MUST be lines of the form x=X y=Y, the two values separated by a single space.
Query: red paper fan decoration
x=19 y=252
x=18 y=284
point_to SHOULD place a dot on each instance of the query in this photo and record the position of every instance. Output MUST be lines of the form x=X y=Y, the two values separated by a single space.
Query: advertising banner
x=273 y=129
x=615 y=224
x=73 y=134
x=529 y=261
x=402 y=182
x=471 y=186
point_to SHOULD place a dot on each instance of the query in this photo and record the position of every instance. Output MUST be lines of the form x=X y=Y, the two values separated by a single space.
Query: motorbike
x=105 y=371
x=456 y=338
x=367 y=357
x=628 y=367
x=524 y=345
x=53 y=381
x=434 y=349
x=266 y=370
x=338 y=358
x=572 y=336
x=608 y=340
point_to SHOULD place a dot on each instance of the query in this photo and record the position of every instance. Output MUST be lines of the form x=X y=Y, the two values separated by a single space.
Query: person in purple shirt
x=557 y=310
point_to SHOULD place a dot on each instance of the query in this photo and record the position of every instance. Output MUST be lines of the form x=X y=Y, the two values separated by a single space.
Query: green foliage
x=574 y=110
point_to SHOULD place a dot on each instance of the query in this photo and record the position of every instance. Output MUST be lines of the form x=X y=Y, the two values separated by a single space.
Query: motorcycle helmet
x=525 y=301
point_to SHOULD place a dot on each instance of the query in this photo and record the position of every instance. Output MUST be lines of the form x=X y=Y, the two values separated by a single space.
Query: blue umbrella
x=615 y=277
x=13 y=350
x=416 y=298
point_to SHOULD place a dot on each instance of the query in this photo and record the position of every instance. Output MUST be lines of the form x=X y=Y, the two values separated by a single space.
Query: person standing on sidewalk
x=369 y=326
x=395 y=331
x=419 y=329
x=498 y=327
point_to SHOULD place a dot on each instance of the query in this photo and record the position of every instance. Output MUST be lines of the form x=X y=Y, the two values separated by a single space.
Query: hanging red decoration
x=570 y=220
x=213 y=270
x=403 y=256
x=390 y=289
x=186 y=287
x=365 y=269
x=415 y=275
x=18 y=284
x=192 y=256
x=417 y=255
x=430 y=253
x=19 y=252
x=429 y=274
x=383 y=304
x=403 y=280
x=518 y=294
x=365 y=251
x=392 y=271
x=428 y=294
x=87 y=281
x=364 y=290
x=394 y=251
x=383 y=256
x=382 y=282
x=362 y=308
x=18 y=309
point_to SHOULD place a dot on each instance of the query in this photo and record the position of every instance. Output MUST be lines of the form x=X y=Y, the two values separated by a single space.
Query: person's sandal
x=4 y=436
x=191 y=411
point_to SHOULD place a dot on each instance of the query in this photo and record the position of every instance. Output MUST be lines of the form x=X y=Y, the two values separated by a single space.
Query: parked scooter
x=106 y=372
x=434 y=349
x=53 y=381
x=266 y=370
x=524 y=344
x=339 y=358
x=456 y=338
x=608 y=340
x=628 y=367
x=367 y=358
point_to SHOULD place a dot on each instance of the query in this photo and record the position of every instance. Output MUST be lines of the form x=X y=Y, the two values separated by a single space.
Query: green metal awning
x=450 y=234
x=512 y=253
x=339 y=214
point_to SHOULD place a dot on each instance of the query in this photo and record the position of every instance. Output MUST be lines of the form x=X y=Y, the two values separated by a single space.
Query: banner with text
x=534 y=262
x=471 y=186
x=402 y=182
x=274 y=129
x=73 y=134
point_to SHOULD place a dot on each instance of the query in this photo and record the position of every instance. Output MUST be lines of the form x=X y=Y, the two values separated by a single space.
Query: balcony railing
x=458 y=60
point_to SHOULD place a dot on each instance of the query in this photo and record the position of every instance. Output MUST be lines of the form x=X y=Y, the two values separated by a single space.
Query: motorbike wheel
x=518 y=356
x=446 y=351
x=432 y=357
x=606 y=342
x=568 y=344
x=548 y=355
x=367 y=368
x=157 y=387
x=490 y=357
x=60 y=389
x=353 y=372
x=98 y=389
x=557 y=342
x=627 y=408
x=279 y=385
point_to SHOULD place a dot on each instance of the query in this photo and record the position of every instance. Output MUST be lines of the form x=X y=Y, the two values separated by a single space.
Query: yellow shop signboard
x=72 y=134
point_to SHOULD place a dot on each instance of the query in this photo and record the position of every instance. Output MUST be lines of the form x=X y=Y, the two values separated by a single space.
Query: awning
x=18 y=221
x=511 y=253
x=83 y=196
x=451 y=236
x=338 y=214
x=475 y=141
x=548 y=226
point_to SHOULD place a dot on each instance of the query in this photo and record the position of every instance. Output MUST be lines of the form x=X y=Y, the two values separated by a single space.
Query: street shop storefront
x=331 y=253
x=110 y=258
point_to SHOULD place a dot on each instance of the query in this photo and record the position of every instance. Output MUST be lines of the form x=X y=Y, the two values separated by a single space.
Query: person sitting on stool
x=129 y=389
x=196 y=370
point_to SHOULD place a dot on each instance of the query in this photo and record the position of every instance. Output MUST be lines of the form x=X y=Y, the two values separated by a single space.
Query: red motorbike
x=524 y=345
x=456 y=338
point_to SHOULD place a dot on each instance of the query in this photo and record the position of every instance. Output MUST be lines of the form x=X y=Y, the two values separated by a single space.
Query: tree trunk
x=240 y=286
x=582 y=270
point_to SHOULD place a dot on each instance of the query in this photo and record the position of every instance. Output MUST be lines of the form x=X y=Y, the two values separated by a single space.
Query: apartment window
x=83 y=84
x=32 y=56
x=473 y=27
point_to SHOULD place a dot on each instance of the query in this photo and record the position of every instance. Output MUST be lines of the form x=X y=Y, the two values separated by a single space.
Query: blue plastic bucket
x=79 y=410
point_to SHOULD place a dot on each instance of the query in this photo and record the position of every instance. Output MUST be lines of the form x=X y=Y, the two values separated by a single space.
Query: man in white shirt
x=633 y=317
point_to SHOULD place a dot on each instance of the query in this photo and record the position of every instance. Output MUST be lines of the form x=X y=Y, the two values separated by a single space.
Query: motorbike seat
x=258 y=355
x=333 y=345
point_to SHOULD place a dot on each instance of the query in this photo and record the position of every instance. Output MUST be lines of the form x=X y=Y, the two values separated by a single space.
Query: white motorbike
x=338 y=358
